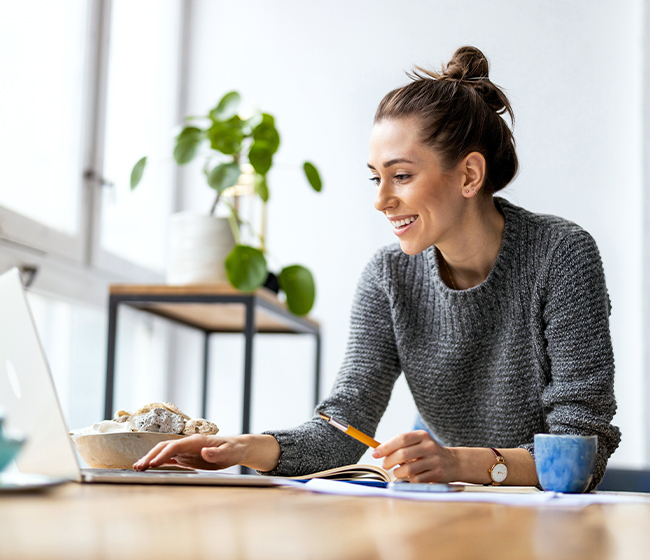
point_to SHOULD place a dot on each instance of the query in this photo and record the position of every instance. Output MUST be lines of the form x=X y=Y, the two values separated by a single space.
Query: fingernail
x=375 y=453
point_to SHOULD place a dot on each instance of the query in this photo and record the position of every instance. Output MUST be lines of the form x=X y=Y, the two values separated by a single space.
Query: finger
x=424 y=448
x=412 y=469
x=145 y=462
x=219 y=457
x=191 y=445
x=423 y=470
x=403 y=440
x=407 y=454
x=193 y=462
x=165 y=450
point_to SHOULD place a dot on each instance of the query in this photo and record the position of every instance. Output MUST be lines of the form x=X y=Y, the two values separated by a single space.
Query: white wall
x=573 y=73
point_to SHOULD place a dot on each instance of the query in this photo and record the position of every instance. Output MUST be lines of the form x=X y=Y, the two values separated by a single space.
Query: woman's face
x=422 y=202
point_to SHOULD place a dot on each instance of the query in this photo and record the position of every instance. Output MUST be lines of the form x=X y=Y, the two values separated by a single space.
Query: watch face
x=499 y=472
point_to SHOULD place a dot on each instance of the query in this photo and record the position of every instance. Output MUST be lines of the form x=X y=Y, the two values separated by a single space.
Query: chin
x=411 y=248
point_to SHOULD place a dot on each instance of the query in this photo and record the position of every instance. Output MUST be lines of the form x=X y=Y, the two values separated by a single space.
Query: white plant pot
x=198 y=247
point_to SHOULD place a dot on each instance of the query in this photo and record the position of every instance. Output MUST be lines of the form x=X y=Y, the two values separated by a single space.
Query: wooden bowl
x=117 y=450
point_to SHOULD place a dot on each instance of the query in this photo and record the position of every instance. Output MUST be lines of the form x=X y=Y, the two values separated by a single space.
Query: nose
x=384 y=197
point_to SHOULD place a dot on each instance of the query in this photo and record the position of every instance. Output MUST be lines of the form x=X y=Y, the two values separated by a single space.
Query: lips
x=401 y=224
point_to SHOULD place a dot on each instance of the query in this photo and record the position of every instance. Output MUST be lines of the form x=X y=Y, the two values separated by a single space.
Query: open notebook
x=352 y=472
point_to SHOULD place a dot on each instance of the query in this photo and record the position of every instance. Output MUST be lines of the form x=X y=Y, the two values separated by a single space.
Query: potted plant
x=240 y=154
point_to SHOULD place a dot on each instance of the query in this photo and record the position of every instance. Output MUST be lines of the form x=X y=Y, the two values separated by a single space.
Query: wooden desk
x=147 y=522
x=211 y=308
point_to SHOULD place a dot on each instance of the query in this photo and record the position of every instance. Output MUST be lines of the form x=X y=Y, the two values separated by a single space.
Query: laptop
x=31 y=405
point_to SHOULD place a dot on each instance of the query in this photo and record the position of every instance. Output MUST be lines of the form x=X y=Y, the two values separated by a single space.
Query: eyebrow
x=393 y=162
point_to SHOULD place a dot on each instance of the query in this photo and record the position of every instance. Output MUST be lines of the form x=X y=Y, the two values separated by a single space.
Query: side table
x=210 y=308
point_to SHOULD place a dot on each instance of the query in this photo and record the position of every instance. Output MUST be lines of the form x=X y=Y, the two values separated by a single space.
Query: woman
x=499 y=318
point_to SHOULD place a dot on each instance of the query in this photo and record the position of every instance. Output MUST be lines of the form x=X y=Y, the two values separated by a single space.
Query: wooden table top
x=107 y=521
x=222 y=317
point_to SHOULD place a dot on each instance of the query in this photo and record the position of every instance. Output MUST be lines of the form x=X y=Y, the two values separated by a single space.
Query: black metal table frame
x=297 y=325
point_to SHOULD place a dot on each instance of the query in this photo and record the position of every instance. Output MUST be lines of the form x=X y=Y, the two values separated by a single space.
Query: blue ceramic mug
x=565 y=463
x=9 y=446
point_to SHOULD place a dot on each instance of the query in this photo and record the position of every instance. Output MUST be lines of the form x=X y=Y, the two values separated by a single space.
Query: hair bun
x=470 y=67
x=467 y=63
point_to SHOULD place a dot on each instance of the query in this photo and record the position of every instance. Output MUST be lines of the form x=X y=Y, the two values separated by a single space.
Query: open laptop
x=29 y=399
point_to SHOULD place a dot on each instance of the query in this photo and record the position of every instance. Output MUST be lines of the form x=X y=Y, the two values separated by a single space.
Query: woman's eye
x=402 y=177
x=375 y=180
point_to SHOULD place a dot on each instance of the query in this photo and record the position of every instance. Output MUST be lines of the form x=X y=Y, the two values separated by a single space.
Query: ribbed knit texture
x=526 y=351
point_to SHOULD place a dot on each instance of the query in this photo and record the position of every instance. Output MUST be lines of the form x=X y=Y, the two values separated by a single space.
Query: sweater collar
x=502 y=265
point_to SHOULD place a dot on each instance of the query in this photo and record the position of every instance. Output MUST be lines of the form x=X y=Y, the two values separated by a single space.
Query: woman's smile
x=401 y=224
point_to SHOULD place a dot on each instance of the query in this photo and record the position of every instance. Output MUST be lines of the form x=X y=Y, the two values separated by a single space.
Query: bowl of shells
x=120 y=442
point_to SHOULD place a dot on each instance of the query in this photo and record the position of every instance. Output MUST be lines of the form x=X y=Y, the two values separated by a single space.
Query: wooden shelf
x=272 y=316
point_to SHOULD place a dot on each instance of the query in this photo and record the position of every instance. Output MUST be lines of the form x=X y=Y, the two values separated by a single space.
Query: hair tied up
x=459 y=110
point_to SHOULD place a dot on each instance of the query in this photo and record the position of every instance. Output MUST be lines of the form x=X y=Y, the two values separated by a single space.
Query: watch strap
x=498 y=455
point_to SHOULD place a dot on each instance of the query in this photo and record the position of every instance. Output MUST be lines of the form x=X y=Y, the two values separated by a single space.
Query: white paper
x=554 y=499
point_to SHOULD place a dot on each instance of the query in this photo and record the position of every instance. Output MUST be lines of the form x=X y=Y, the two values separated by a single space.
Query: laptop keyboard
x=130 y=472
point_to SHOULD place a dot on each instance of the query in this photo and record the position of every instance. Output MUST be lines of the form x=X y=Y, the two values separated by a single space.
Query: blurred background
x=87 y=87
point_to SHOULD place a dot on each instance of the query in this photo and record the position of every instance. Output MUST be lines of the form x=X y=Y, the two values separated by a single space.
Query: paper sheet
x=553 y=499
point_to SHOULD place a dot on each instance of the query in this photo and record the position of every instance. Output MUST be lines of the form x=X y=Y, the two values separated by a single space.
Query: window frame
x=77 y=267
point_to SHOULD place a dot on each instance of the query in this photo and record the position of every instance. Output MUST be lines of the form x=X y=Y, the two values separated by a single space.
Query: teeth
x=404 y=222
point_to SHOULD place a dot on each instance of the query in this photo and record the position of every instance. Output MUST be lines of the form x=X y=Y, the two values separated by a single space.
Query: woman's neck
x=471 y=252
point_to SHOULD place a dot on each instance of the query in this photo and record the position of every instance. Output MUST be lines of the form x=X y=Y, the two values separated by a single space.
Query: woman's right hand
x=214 y=452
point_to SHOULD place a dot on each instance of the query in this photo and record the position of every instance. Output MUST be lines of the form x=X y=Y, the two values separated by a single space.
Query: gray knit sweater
x=526 y=351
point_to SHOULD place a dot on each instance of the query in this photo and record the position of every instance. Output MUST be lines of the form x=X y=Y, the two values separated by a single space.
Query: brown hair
x=459 y=109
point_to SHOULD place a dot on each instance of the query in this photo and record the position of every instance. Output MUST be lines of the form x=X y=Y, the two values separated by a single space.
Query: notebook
x=31 y=406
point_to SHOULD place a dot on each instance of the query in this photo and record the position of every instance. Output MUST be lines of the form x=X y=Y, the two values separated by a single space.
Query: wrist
x=473 y=464
x=456 y=472
x=260 y=452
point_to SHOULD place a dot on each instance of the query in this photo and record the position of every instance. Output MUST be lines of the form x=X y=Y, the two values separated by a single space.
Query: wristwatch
x=498 y=471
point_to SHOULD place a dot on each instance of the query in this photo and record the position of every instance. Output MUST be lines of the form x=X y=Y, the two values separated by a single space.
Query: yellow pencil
x=352 y=432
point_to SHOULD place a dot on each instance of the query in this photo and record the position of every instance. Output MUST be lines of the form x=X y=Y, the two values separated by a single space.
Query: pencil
x=352 y=432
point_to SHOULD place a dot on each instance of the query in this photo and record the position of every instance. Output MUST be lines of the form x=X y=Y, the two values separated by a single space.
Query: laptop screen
x=27 y=392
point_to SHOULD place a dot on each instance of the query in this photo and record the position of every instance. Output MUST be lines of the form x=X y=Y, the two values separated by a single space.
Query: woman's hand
x=419 y=458
x=197 y=451
x=260 y=452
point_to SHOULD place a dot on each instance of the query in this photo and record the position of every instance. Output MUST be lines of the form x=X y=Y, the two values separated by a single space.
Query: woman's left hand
x=419 y=458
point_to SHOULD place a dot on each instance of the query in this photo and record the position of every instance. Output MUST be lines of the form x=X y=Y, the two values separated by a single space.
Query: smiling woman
x=498 y=317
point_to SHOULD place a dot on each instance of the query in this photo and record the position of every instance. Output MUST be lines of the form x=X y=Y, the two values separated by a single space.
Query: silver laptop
x=29 y=399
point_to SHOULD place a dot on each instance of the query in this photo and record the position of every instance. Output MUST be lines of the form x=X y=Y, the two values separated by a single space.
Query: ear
x=473 y=167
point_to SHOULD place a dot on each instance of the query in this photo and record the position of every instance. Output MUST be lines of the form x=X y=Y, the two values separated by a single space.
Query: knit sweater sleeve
x=575 y=348
x=362 y=388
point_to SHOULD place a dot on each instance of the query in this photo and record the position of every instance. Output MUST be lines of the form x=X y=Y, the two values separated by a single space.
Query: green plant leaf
x=298 y=284
x=136 y=173
x=266 y=132
x=190 y=132
x=260 y=156
x=187 y=143
x=223 y=176
x=226 y=108
x=261 y=187
x=312 y=176
x=227 y=137
x=246 y=268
